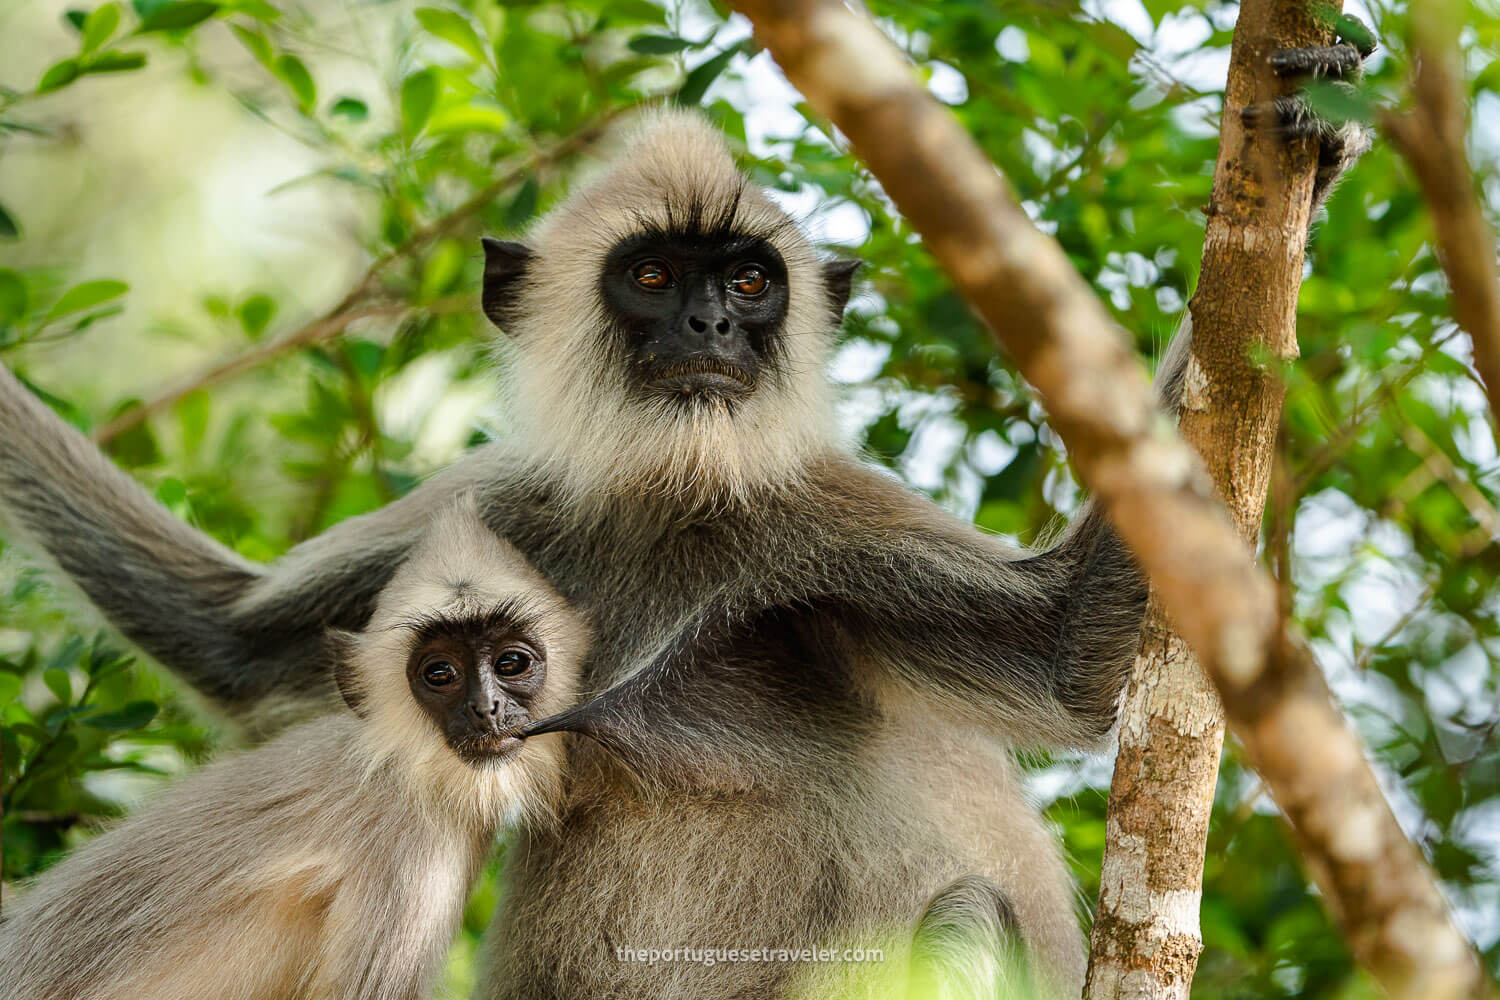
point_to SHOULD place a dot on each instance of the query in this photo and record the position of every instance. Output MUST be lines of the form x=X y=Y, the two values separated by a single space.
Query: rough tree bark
x=1146 y=936
x=1152 y=484
x=1431 y=136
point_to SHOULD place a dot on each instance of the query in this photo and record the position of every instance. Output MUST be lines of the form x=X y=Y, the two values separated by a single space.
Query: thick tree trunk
x=1146 y=941
x=1153 y=485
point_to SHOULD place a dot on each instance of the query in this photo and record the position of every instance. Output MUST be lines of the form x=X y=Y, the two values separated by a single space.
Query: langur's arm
x=165 y=585
x=387 y=931
x=234 y=630
x=1039 y=646
x=1036 y=647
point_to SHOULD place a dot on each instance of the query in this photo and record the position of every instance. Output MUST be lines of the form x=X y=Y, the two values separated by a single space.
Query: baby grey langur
x=335 y=861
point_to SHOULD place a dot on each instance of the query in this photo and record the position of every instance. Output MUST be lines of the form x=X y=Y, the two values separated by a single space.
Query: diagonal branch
x=1152 y=484
x=365 y=299
x=1431 y=138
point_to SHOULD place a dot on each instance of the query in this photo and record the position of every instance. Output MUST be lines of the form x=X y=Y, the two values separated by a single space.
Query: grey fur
x=831 y=668
x=332 y=862
x=202 y=895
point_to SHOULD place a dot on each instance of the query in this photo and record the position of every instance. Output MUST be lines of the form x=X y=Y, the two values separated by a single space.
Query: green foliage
x=449 y=120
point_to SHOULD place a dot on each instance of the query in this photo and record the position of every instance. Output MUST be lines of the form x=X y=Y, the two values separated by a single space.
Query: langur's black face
x=477 y=679
x=700 y=315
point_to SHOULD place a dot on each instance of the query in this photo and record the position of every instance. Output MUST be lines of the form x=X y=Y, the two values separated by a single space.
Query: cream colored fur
x=562 y=380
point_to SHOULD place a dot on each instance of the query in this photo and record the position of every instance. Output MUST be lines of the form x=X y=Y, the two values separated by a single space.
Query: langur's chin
x=490 y=750
x=702 y=387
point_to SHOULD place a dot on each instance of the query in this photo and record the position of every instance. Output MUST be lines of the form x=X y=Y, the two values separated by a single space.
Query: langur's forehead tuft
x=675 y=176
x=515 y=616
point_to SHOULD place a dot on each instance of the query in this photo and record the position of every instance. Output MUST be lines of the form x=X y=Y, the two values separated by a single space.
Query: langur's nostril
x=484 y=714
x=697 y=324
x=721 y=327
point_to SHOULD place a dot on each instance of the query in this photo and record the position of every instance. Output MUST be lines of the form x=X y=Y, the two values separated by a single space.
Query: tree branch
x=1431 y=136
x=365 y=298
x=1152 y=483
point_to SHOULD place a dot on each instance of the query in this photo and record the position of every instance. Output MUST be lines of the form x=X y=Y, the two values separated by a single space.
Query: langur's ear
x=838 y=279
x=342 y=647
x=504 y=270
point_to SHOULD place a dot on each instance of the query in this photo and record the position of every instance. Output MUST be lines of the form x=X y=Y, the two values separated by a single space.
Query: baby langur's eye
x=439 y=673
x=652 y=274
x=512 y=662
x=749 y=280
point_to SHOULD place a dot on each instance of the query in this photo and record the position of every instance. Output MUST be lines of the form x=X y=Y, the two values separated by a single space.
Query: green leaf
x=697 y=83
x=107 y=663
x=86 y=296
x=352 y=109
x=9 y=228
x=523 y=206
x=114 y=62
x=58 y=75
x=75 y=18
x=145 y=8
x=418 y=98
x=10 y=687
x=1355 y=32
x=366 y=357
x=192 y=416
x=177 y=16
x=100 y=26
x=136 y=446
x=255 y=314
x=1340 y=104
x=454 y=29
x=13 y=297
x=639 y=10
x=441 y=269
x=258 y=44
x=60 y=684
x=658 y=45
x=258 y=9
x=295 y=75
x=468 y=118
x=172 y=494
x=132 y=716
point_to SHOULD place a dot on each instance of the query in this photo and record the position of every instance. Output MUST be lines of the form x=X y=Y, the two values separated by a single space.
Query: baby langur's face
x=477 y=677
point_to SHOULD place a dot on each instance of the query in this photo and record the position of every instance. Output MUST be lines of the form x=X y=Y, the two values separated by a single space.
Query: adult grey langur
x=825 y=672
x=335 y=861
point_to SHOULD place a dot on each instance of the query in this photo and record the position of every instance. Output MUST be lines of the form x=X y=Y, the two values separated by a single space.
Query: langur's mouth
x=481 y=748
x=703 y=376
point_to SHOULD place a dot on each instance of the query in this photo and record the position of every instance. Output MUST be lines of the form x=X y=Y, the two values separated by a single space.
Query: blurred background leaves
x=291 y=193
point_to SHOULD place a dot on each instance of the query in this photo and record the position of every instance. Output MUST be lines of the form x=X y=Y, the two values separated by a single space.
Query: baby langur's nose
x=484 y=711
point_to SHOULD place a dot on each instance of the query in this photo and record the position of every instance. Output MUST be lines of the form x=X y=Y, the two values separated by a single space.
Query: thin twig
x=325 y=327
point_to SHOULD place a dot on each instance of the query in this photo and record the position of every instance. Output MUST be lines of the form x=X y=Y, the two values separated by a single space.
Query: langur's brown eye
x=512 y=662
x=652 y=274
x=749 y=280
x=439 y=673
